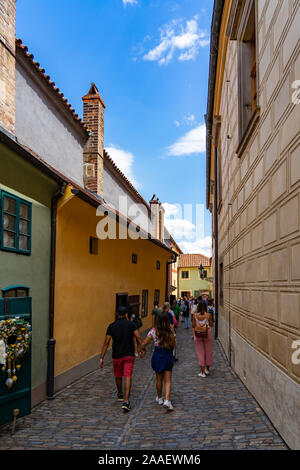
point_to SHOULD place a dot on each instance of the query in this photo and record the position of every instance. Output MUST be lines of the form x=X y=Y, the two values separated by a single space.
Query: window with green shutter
x=15 y=224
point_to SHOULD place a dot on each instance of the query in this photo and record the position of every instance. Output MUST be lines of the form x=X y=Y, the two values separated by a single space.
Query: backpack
x=185 y=311
x=201 y=331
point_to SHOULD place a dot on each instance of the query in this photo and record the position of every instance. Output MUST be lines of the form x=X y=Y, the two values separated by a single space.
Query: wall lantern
x=201 y=271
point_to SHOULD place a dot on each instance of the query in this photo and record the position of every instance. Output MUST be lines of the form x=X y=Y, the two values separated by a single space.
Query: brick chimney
x=157 y=219
x=7 y=64
x=93 y=117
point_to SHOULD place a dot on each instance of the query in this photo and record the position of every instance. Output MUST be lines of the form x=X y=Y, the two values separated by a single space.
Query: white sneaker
x=159 y=400
x=168 y=405
x=201 y=375
x=206 y=371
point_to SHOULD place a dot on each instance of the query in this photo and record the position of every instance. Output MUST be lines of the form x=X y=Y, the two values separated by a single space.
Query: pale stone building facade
x=253 y=156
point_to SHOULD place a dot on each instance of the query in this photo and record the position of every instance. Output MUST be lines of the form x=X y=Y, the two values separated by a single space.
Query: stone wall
x=259 y=237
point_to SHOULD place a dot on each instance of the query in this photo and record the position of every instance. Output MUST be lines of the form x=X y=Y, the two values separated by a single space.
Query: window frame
x=185 y=278
x=17 y=216
x=243 y=16
x=94 y=246
x=145 y=301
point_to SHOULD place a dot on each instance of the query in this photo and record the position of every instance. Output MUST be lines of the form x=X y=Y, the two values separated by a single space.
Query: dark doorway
x=134 y=304
x=121 y=300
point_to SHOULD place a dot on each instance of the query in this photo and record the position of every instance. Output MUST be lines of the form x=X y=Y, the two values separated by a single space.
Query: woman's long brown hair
x=164 y=331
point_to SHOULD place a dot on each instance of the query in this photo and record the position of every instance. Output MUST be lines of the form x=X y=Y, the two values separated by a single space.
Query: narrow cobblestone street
x=212 y=413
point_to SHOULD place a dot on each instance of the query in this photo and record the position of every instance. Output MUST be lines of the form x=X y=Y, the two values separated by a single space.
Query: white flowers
x=2 y=353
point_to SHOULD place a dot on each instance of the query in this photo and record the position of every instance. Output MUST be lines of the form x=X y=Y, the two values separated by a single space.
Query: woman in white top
x=202 y=326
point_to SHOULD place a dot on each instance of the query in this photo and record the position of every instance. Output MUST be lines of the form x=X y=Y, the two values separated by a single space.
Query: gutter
x=168 y=263
x=51 y=341
x=215 y=31
x=95 y=201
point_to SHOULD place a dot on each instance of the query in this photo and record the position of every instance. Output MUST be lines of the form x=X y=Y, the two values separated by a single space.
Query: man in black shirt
x=122 y=332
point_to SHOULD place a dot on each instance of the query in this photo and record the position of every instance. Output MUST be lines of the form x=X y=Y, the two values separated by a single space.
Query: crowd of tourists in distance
x=127 y=344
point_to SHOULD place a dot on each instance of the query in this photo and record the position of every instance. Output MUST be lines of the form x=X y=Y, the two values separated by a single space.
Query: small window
x=15 y=224
x=15 y=291
x=157 y=265
x=94 y=246
x=184 y=274
x=247 y=74
x=145 y=303
x=156 y=296
x=134 y=258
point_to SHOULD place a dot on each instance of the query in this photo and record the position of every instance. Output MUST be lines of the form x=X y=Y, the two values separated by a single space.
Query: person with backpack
x=202 y=326
x=162 y=359
x=186 y=313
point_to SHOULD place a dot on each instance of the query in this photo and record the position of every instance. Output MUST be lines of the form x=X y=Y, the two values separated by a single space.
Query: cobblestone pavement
x=216 y=412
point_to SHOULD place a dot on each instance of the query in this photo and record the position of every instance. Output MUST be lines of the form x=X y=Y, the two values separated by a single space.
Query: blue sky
x=149 y=60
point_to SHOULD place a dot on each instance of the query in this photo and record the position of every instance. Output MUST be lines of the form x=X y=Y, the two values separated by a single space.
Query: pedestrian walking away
x=202 y=326
x=173 y=322
x=135 y=319
x=122 y=332
x=185 y=313
x=162 y=359
x=177 y=311
x=155 y=311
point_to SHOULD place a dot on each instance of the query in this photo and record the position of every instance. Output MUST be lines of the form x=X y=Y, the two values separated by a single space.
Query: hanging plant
x=16 y=336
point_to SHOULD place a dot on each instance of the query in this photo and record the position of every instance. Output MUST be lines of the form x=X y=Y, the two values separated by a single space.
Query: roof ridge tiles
x=50 y=83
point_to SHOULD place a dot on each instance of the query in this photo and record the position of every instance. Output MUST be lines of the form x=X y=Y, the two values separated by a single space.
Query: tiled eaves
x=46 y=78
x=95 y=200
x=193 y=261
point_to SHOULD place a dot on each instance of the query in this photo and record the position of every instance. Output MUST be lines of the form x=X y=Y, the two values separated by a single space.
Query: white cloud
x=129 y=2
x=178 y=37
x=190 y=117
x=202 y=245
x=188 y=120
x=124 y=161
x=193 y=141
x=171 y=209
x=184 y=231
x=178 y=226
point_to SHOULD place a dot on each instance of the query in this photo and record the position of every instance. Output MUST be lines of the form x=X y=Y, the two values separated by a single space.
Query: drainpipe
x=51 y=340
x=216 y=232
x=167 y=275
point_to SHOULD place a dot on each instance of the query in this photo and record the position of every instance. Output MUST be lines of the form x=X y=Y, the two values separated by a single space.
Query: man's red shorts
x=123 y=366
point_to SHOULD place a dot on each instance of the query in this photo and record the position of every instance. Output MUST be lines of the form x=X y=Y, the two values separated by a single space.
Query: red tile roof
x=24 y=50
x=193 y=261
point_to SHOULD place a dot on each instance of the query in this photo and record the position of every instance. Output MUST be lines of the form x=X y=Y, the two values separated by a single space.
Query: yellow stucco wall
x=86 y=284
